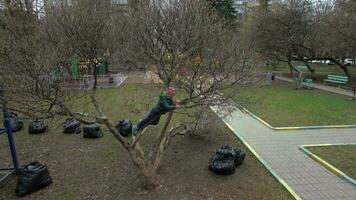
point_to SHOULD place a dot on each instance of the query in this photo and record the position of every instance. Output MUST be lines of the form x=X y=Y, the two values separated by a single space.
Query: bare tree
x=26 y=59
x=343 y=21
x=279 y=31
x=295 y=30
x=337 y=28
x=189 y=46
x=177 y=36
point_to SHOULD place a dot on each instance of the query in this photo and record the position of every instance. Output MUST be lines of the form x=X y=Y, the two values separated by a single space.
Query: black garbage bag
x=16 y=123
x=32 y=177
x=72 y=126
x=92 y=131
x=124 y=127
x=226 y=159
x=240 y=156
x=223 y=161
x=37 y=127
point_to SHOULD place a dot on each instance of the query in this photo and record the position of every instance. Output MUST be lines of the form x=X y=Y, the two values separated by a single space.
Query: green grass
x=281 y=105
x=82 y=167
x=343 y=157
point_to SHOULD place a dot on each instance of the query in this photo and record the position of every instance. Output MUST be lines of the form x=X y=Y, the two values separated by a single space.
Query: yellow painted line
x=324 y=145
x=327 y=165
x=293 y=193
x=286 y=128
x=314 y=127
x=259 y=119
x=264 y=163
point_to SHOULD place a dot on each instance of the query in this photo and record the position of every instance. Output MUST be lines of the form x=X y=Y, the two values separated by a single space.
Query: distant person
x=270 y=77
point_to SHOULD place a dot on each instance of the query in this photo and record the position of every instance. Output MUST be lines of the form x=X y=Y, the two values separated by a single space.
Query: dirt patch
x=147 y=77
x=100 y=169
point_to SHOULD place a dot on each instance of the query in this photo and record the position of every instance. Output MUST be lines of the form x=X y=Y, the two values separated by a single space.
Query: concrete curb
x=327 y=165
x=263 y=162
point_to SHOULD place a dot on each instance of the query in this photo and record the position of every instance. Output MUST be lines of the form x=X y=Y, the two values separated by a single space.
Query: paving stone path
x=280 y=150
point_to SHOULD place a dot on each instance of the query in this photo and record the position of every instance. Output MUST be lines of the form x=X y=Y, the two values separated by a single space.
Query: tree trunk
x=312 y=71
x=293 y=70
x=158 y=147
x=148 y=168
x=150 y=176
x=151 y=179
x=342 y=66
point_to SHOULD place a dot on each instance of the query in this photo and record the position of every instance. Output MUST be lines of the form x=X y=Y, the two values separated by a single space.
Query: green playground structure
x=79 y=67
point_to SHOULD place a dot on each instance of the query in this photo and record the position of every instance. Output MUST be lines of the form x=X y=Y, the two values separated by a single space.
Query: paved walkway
x=280 y=150
x=323 y=87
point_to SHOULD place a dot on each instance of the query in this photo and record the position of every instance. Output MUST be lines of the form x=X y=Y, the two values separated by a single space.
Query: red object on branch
x=183 y=70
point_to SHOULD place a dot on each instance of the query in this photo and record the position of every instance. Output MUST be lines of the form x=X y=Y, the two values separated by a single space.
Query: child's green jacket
x=165 y=104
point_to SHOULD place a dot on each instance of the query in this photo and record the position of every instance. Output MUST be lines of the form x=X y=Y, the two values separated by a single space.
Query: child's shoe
x=134 y=130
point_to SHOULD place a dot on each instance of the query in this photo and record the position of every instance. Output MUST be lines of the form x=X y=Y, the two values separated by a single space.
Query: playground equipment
x=86 y=82
x=8 y=130
x=80 y=67
x=82 y=77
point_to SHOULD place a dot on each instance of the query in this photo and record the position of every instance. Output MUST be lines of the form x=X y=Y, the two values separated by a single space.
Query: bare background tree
x=302 y=30
x=184 y=42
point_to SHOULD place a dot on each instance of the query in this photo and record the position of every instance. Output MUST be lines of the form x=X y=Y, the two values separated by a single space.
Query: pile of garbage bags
x=226 y=159
x=37 y=126
x=16 y=123
x=32 y=177
x=92 y=131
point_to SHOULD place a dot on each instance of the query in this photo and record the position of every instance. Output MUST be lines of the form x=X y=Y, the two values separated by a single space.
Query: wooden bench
x=308 y=83
x=336 y=79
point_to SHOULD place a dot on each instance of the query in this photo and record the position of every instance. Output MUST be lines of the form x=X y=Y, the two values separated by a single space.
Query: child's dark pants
x=152 y=118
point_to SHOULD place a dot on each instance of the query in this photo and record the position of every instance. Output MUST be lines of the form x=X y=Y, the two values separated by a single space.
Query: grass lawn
x=343 y=157
x=101 y=169
x=281 y=105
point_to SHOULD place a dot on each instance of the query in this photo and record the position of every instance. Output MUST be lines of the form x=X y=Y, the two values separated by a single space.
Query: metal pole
x=10 y=137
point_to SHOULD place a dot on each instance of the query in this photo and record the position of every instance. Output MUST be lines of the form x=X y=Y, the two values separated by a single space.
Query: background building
x=244 y=6
x=69 y=2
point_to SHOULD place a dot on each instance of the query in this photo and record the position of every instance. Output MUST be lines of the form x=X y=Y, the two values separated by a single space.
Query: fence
x=86 y=82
